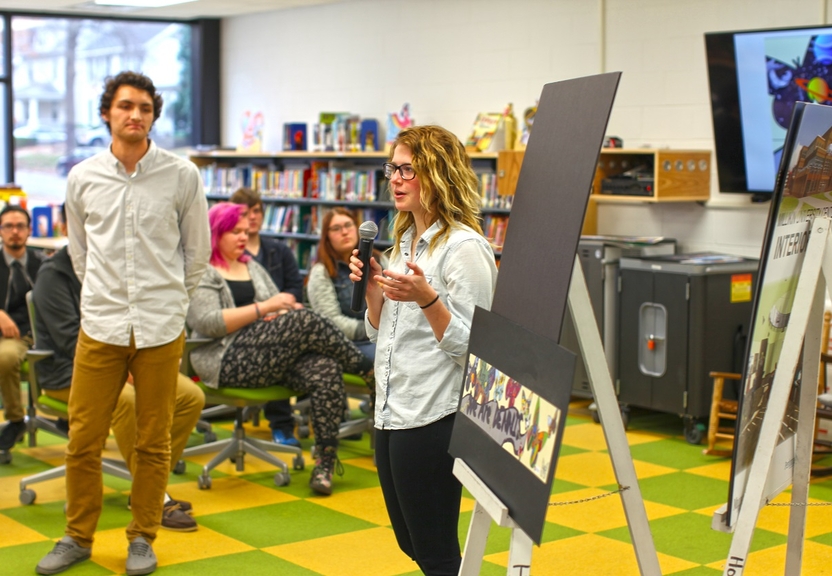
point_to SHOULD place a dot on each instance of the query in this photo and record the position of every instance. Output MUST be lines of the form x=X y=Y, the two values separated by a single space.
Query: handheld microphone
x=367 y=233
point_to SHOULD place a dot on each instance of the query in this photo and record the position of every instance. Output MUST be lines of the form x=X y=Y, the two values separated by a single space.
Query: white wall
x=453 y=58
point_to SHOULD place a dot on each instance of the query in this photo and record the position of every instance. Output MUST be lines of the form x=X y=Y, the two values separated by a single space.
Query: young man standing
x=18 y=269
x=139 y=242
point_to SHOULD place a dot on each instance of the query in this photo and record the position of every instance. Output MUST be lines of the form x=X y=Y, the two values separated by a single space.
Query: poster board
x=802 y=192
x=519 y=337
x=550 y=201
x=512 y=414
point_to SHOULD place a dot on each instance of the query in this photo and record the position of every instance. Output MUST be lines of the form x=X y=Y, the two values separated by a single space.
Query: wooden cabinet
x=673 y=175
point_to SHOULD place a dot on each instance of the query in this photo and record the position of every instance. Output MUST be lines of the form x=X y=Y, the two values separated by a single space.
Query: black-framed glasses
x=19 y=226
x=406 y=170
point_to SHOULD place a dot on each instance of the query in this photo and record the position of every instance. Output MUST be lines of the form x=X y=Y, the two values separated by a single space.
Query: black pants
x=422 y=494
x=279 y=415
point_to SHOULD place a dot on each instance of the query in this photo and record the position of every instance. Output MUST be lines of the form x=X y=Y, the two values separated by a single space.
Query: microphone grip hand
x=359 y=289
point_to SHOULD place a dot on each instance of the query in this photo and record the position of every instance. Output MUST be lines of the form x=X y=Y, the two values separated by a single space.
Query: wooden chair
x=723 y=411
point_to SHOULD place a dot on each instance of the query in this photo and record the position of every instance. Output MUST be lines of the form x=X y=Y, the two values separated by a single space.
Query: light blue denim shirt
x=418 y=380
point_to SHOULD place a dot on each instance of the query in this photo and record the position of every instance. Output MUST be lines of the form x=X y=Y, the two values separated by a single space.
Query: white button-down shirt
x=139 y=244
x=418 y=380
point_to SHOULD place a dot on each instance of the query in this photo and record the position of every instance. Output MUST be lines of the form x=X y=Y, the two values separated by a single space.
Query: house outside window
x=58 y=70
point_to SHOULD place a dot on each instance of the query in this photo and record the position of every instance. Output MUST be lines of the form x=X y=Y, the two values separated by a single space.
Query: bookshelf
x=299 y=187
x=678 y=176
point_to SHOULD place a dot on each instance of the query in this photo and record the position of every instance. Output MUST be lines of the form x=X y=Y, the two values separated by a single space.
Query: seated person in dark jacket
x=57 y=299
x=279 y=261
x=18 y=270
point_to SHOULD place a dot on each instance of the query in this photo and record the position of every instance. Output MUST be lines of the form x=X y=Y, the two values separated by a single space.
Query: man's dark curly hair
x=134 y=79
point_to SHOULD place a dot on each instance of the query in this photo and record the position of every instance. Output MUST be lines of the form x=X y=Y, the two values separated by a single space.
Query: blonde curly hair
x=449 y=186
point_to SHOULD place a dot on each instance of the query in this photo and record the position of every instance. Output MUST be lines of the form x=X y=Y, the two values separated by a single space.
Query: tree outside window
x=58 y=71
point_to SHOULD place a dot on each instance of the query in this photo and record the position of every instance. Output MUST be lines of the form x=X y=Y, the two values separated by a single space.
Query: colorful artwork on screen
x=519 y=420
x=798 y=69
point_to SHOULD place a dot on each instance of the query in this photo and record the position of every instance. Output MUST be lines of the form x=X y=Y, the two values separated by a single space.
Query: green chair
x=236 y=447
x=40 y=402
x=355 y=385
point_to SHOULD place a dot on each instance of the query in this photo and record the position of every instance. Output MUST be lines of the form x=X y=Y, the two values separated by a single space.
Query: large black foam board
x=550 y=201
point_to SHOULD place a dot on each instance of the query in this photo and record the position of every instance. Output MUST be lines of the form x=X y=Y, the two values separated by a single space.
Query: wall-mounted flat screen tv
x=755 y=78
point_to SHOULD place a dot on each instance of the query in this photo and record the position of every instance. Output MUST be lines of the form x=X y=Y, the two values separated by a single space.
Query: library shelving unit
x=298 y=187
x=677 y=176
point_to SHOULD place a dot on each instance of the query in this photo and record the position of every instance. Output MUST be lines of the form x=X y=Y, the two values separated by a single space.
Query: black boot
x=325 y=464
x=12 y=434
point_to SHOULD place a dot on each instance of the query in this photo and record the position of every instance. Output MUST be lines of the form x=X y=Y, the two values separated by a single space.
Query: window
x=58 y=70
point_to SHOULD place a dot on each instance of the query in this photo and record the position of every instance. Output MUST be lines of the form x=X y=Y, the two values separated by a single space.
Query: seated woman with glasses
x=263 y=337
x=419 y=312
x=329 y=287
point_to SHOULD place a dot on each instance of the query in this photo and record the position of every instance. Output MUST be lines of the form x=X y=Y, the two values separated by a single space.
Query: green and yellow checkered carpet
x=247 y=526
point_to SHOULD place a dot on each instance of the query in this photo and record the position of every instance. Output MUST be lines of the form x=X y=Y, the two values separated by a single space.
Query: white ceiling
x=196 y=9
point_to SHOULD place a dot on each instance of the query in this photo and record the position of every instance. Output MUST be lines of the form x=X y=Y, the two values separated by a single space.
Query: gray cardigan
x=205 y=320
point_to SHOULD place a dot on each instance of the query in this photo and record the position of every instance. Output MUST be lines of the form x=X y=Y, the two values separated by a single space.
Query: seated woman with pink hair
x=263 y=337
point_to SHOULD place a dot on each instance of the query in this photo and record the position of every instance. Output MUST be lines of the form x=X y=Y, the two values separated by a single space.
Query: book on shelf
x=294 y=136
x=494 y=227
x=333 y=126
x=369 y=135
x=251 y=140
x=312 y=220
x=396 y=122
x=353 y=131
x=42 y=221
x=487 y=133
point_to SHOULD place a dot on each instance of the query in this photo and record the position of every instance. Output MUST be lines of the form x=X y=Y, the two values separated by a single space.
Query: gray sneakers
x=66 y=553
x=140 y=558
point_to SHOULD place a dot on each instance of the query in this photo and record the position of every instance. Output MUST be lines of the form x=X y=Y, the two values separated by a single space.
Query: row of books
x=494 y=227
x=286 y=219
x=329 y=181
x=293 y=219
x=488 y=192
x=322 y=180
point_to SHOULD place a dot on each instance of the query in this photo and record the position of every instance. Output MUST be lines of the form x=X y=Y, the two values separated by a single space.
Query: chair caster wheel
x=179 y=468
x=5 y=457
x=27 y=496
x=209 y=437
x=298 y=463
x=204 y=482
x=303 y=431
x=282 y=479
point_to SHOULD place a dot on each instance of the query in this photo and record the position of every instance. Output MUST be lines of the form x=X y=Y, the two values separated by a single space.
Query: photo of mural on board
x=515 y=417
